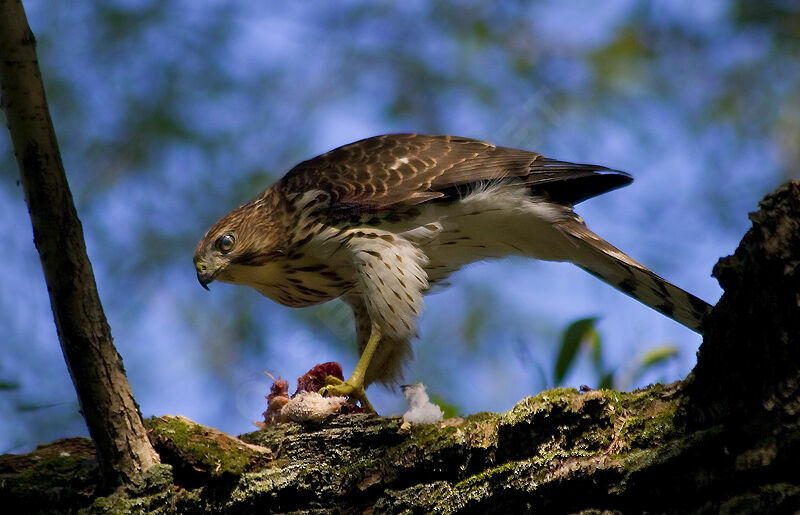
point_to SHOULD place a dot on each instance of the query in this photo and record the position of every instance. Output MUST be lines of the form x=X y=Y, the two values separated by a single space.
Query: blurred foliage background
x=169 y=114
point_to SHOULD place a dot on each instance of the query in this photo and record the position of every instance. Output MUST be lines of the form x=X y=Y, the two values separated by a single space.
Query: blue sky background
x=171 y=114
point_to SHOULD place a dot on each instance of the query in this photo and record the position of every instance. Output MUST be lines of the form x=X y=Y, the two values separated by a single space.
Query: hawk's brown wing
x=395 y=170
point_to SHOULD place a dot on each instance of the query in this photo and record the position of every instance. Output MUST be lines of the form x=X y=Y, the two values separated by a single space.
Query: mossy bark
x=724 y=440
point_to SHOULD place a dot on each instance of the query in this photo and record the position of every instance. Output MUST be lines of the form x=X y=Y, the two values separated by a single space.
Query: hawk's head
x=244 y=238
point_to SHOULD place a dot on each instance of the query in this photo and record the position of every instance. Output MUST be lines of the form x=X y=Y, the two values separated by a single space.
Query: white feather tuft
x=421 y=410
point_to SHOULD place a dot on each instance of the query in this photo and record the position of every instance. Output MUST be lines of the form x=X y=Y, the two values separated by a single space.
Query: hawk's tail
x=603 y=260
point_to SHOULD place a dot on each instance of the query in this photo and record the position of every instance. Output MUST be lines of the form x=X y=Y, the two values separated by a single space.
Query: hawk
x=380 y=221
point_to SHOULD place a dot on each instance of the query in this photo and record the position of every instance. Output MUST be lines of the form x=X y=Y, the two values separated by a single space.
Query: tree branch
x=104 y=393
x=726 y=440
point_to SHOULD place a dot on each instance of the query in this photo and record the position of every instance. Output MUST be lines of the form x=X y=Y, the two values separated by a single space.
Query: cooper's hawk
x=379 y=221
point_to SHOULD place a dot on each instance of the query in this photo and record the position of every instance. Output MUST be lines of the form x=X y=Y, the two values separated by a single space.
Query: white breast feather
x=391 y=280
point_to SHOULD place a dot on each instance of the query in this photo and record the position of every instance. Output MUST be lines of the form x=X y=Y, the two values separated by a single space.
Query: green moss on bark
x=606 y=442
x=195 y=449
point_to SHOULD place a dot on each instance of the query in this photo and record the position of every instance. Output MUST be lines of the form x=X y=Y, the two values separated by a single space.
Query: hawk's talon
x=338 y=388
x=331 y=381
x=353 y=388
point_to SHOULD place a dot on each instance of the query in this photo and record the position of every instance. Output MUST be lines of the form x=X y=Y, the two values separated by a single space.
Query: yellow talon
x=341 y=388
x=331 y=381
x=354 y=387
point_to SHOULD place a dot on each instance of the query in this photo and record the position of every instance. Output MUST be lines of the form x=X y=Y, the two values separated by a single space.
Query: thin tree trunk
x=104 y=393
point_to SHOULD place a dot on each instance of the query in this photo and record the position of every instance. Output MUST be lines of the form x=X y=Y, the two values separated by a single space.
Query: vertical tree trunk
x=104 y=393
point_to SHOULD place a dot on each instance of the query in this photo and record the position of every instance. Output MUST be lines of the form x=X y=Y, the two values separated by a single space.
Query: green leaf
x=597 y=351
x=571 y=339
x=654 y=358
x=9 y=385
x=658 y=355
x=606 y=381
x=449 y=410
x=474 y=322
x=31 y=406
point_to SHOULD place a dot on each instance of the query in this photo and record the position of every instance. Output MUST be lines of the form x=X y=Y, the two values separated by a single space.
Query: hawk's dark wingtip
x=576 y=182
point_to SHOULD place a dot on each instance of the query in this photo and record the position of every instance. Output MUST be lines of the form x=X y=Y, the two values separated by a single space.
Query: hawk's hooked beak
x=204 y=279
x=204 y=275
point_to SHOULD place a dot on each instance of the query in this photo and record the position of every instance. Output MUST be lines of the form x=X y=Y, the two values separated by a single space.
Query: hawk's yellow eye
x=225 y=242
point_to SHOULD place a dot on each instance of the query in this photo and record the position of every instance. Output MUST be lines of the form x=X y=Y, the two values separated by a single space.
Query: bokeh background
x=169 y=114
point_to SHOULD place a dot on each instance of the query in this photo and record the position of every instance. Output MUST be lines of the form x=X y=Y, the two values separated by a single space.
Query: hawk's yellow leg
x=354 y=387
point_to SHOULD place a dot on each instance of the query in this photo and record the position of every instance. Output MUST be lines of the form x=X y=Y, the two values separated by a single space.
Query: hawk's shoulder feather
x=397 y=170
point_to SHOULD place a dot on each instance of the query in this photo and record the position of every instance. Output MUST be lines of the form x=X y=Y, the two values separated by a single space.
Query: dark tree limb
x=725 y=440
x=749 y=363
x=104 y=393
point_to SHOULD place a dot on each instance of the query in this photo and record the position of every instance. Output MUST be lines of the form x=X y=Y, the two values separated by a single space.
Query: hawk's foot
x=353 y=388
x=338 y=388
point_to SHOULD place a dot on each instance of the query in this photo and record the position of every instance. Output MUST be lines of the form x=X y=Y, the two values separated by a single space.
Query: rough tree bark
x=725 y=440
x=104 y=394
